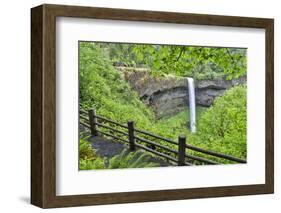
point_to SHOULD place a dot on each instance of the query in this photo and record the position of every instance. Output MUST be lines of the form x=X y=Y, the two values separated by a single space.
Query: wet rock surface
x=169 y=95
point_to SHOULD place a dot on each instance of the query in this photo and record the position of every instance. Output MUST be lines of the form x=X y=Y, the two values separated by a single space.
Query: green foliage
x=221 y=128
x=126 y=159
x=102 y=87
x=198 y=62
x=98 y=163
x=129 y=159
x=85 y=150
x=88 y=159
x=176 y=125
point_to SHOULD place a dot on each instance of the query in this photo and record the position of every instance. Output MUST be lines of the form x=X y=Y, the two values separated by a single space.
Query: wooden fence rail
x=131 y=136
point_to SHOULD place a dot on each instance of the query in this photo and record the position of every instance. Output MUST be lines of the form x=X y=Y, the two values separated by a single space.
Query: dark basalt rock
x=169 y=95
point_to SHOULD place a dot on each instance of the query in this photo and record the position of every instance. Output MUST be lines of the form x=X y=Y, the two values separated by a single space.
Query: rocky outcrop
x=208 y=90
x=169 y=95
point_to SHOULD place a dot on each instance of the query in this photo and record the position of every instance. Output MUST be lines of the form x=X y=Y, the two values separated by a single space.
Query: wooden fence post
x=131 y=135
x=181 y=149
x=93 y=122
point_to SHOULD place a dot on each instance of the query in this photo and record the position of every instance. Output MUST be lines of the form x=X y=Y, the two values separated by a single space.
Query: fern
x=126 y=159
x=86 y=164
x=86 y=151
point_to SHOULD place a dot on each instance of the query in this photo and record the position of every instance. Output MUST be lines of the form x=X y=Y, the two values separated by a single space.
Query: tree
x=193 y=61
x=198 y=62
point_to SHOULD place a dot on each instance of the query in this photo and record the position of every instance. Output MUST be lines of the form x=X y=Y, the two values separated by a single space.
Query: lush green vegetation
x=224 y=124
x=90 y=160
x=195 y=61
x=102 y=88
x=222 y=127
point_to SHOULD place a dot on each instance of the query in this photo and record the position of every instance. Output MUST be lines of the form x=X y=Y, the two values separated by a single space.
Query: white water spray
x=192 y=107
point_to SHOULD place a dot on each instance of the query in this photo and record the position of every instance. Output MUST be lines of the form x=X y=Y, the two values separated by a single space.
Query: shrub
x=126 y=159
x=85 y=150
x=102 y=87
x=86 y=164
x=223 y=126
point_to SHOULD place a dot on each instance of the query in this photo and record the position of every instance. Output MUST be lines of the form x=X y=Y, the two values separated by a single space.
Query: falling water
x=192 y=107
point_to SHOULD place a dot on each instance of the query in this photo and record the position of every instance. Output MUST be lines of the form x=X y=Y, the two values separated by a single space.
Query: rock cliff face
x=169 y=95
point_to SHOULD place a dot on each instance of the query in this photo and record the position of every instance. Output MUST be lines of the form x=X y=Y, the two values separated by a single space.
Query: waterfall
x=192 y=107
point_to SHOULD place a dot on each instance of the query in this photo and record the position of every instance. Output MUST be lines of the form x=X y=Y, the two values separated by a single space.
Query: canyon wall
x=169 y=95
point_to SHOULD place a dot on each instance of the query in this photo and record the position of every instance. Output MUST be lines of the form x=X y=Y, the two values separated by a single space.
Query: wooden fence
x=135 y=139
